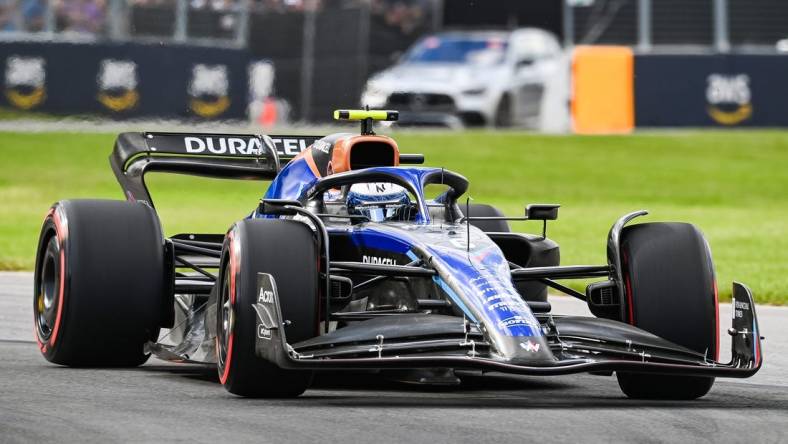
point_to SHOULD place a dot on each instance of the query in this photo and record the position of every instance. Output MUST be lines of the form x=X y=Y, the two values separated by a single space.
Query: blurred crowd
x=406 y=15
x=90 y=16
x=67 y=16
x=22 y=15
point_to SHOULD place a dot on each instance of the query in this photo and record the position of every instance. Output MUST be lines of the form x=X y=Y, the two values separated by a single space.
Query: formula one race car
x=352 y=261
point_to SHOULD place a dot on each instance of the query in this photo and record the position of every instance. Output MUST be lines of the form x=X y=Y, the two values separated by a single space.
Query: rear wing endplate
x=231 y=156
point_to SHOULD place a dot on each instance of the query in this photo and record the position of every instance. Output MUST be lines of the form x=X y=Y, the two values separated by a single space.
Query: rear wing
x=231 y=156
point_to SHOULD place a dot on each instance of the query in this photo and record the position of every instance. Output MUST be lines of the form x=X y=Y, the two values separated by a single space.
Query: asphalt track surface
x=162 y=402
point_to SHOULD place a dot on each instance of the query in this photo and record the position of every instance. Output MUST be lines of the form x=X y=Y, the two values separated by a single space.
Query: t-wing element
x=366 y=117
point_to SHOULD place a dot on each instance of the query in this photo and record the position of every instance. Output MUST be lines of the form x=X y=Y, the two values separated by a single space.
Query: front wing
x=573 y=355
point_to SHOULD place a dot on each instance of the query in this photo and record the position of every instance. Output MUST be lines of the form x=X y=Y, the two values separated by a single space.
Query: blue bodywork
x=475 y=277
x=296 y=179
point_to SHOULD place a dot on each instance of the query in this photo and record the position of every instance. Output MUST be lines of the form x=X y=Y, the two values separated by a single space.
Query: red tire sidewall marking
x=628 y=288
x=234 y=252
x=61 y=232
x=715 y=291
x=716 y=322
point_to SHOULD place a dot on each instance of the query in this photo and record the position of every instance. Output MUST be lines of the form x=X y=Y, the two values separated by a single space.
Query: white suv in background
x=469 y=78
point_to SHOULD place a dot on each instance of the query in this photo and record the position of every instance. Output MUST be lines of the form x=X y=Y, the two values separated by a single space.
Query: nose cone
x=475 y=275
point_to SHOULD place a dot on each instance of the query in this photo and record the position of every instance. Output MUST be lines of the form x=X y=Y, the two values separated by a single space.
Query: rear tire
x=671 y=292
x=287 y=250
x=99 y=283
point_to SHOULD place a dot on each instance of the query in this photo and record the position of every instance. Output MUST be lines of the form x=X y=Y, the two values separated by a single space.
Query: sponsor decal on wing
x=378 y=260
x=242 y=146
x=266 y=296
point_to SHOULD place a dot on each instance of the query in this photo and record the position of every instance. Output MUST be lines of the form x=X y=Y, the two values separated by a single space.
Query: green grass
x=733 y=185
x=7 y=113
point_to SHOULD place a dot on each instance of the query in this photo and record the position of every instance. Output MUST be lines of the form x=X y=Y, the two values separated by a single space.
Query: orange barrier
x=268 y=113
x=603 y=90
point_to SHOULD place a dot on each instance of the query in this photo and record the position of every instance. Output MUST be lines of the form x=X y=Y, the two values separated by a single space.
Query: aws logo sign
x=117 y=85
x=25 y=81
x=208 y=90
x=728 y=98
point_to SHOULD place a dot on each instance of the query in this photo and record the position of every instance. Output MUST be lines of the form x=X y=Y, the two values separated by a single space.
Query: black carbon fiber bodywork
x=578 y=344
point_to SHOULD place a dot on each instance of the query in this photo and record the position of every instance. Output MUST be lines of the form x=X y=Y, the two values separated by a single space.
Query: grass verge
x=733 y=185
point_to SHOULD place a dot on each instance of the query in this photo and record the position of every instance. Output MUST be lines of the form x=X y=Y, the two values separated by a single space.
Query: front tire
x=287 y=250
x=671 y=292
x=99 y=283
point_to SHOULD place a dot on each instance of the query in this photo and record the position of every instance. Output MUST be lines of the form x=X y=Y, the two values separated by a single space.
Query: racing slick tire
x=286 y=249
x=99 y=283
x=488 y=226
x=670 y=291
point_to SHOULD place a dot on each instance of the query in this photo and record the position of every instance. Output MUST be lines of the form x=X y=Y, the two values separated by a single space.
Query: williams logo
x=208 y=90
x=530 y=346
x=117 y=85
x=728 y=98
x=25 y=81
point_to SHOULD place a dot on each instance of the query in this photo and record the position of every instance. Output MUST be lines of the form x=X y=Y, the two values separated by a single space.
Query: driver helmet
x=378 y=201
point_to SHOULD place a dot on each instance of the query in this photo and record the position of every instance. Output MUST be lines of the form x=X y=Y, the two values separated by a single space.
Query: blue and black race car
x=355 y=259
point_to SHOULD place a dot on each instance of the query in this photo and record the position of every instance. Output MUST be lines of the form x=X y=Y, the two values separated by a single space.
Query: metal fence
x=687 y=25
x=647 y=24
x=214 y=21
x=209 y=22
x=321 y=53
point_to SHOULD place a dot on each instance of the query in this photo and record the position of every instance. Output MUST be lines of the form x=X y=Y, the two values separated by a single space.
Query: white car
x=469 y=78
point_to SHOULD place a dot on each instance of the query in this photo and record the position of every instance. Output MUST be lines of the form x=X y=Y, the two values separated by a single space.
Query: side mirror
x=542 y=211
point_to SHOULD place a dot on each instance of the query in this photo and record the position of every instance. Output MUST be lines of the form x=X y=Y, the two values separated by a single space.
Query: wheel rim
x=47 y=302
x=225 y=320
